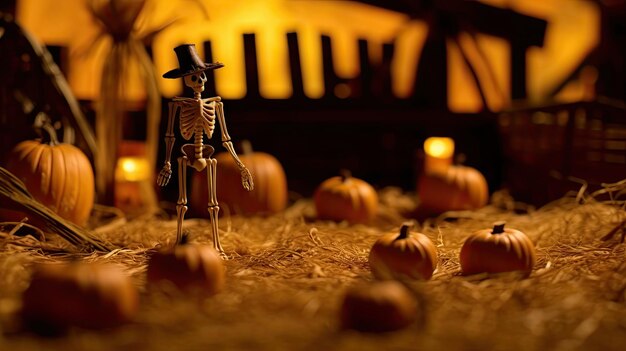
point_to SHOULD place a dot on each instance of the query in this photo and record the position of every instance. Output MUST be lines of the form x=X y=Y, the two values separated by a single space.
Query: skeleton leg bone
x=181 y=204
x=213 y=207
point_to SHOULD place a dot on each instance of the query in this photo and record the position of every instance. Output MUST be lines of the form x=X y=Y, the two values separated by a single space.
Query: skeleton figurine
x=197 y=117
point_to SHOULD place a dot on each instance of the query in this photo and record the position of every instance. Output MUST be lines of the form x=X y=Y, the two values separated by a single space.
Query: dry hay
x=288 y=273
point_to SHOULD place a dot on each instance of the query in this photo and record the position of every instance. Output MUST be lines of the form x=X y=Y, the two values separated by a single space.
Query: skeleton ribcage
x=197 y=114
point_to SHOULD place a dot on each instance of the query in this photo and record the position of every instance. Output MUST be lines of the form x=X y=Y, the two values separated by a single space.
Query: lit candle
x=134 y=193
x=439 y=152
x=132 y=169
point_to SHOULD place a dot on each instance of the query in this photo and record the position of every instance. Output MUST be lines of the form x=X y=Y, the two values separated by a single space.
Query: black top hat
x=189 y=62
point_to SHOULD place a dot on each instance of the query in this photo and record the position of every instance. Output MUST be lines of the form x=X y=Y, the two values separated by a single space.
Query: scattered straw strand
x=13 y=190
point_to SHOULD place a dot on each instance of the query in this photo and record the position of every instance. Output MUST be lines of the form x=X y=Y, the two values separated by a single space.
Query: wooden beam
x=503 y=23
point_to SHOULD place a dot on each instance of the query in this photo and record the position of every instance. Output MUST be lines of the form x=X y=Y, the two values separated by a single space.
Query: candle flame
x=439 y=147
x=132 y=169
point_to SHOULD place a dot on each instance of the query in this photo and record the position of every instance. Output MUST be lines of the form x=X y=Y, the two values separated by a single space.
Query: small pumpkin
x=403 y=255
x=189 y=267
x=378 y=307
x=58 y=175
x=497 y=250
x=87 y=295
x=270 y=185
x=346 y=198
x=456 y=188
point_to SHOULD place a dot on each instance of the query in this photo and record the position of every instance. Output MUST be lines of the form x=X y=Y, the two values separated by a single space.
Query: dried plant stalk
x=13 y=190
x=118 y=18
x=109 y=122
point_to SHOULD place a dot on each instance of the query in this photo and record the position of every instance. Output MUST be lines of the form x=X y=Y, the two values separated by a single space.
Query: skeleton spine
x=198 y=143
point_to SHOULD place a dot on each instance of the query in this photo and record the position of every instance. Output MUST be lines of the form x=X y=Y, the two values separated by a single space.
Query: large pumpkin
x=346 y=198
x=403 y=255
x=87 y=295
x=58 y=175
x=270 y=185
x=497 y=250
x=456 y=188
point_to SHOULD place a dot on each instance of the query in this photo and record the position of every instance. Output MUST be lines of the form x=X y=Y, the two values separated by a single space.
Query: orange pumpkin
x=87 y=295
x=346 y=198
x=378 y=307
x=403 y=255
x=58 y=175
x=188 y=266
x=270 y=185
x=497 y=250
x=456 y=188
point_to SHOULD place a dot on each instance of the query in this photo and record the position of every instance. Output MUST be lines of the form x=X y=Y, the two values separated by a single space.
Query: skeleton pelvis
x=189 y=150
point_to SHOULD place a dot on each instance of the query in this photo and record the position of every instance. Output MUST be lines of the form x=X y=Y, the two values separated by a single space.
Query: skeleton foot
x=223 y=256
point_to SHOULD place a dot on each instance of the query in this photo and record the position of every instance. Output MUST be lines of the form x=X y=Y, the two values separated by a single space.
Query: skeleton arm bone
x=166 y=171
x=246 y=176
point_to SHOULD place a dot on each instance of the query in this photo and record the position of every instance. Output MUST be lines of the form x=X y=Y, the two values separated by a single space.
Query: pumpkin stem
x=44 y=124
x=345 y=174
x=246 y=147
x=498 y=228
x=404 y=231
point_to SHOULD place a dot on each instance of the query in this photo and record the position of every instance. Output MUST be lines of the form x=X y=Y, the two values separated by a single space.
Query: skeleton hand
x=246 y=179
x=165 y=174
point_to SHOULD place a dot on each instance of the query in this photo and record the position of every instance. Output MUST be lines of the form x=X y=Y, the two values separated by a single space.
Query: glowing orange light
x=439 y=152
x=132 y=169
x=440 y=147
x=133 y=192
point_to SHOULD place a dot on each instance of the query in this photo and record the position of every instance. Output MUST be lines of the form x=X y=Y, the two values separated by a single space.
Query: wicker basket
x=552 y=149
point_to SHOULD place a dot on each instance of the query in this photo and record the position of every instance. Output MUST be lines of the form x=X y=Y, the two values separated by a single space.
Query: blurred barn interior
x=532 y=92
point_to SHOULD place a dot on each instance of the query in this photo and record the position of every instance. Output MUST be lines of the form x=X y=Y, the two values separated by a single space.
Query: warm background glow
x=463 y=95
x=270 y=21
x=69 y=23
x=572 y=31
x=408 y=49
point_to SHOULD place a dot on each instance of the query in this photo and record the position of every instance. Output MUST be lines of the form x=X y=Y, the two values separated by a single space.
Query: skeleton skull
x=196 y=81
